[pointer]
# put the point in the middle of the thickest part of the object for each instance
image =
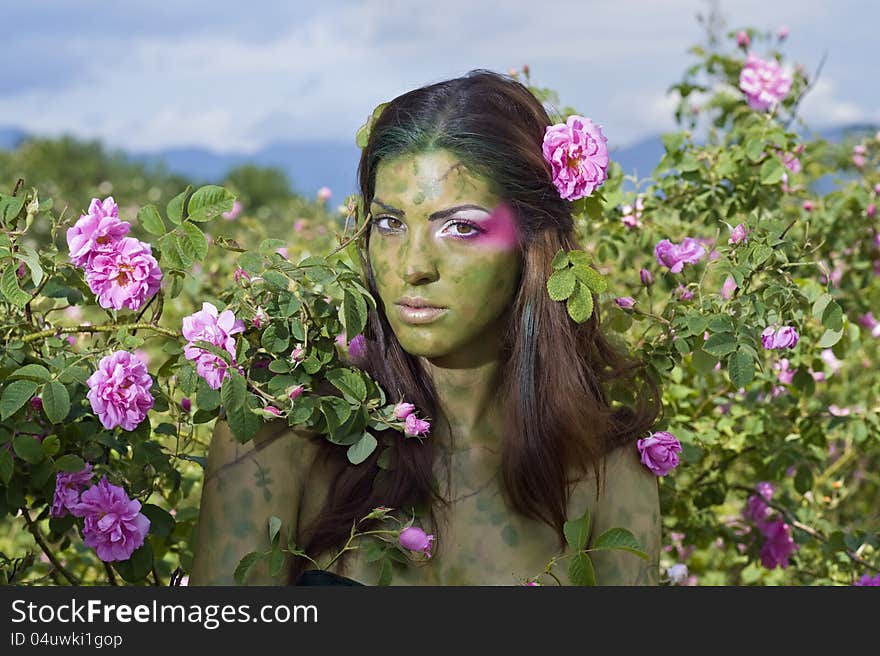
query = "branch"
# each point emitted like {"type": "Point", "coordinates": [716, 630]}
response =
{"type": "Point", "coordinates": [38, 536]}
{"type": "Point", "coordinates": [98, 329]}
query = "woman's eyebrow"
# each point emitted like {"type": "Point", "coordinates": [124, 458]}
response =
{"type": "Point", "coordinates": [442, 214]}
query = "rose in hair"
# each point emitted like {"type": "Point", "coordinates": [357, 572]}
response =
{"type": "Point", "coordinates": [578, 156]}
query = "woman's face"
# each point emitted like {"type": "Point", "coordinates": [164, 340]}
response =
{"type": "Point", "coordinates": [440, 237]}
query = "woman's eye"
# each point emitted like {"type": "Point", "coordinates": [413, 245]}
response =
{"type": "Point", "coordinates": [388, 223]}
{"type": "Point", "coordinates": [463, 229]}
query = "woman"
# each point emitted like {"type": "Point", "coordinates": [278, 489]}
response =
{"type": "Point", "coordinates": [464, 223]}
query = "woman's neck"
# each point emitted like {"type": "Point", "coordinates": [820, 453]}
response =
{"type": "Point", "coordinates": [467, 390]}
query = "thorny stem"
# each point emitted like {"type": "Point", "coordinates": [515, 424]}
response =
{"type": "Point", "coordinates": [97, 329]}
{"type": "Point", "coordinates": [38, 536]}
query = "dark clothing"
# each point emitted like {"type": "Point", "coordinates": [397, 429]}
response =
{"type": "Point", "coordinates": [322, 577]}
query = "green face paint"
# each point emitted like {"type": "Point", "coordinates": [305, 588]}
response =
{"type": "Point", "coordinates": [466, 262]}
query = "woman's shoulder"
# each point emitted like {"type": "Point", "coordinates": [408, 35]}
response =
{"type": "Point", "coordinates": [274, 442]}
{"type": "Point", "coordinates": [623, 479]}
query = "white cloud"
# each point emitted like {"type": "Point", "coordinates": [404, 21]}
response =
{"type": "Point", "coordinates": [318, 77]}
{"type": "Point", "coordinates": [823, 106]}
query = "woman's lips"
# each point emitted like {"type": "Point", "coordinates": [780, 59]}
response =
{"type": "Point", "coordinates": [419, 315]}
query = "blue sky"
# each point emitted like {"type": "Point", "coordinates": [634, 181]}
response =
{"type": "Point", "coordinates": [233, 76]}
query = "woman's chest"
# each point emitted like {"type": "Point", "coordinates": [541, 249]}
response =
{"type": "Point", "coordinates": [477, 538]}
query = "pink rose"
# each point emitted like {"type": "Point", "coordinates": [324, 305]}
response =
{"type": "Point", "coordinates": [114, 526]}
{"type": "Point", "coordinates": [124, 275]}
{"type": "Point", "coordinates": [578, 156]}
{"type": "Point", "coordinates": [659, 452]}
{"type": "Point", "coordinates": [415, 427]}
{"type": "Point", "coordinates": [764, 83]}
{"type": "Point", "coordinates": [675, 256]}
{"type": "Point", "coordinates": [415, 539]}
{"type": "Point", "coordinates": [119, 391]}
{"type": "Point", "coordinates": [728, 288]}
{"type": "Point", "coordinates": [96, 231]}
{"type": "Point", "coordinates": [738, 234]}
{"type": "Point", "coordinates": [403, 410]}
{"type": "Point", "coordinates": [625, 302]}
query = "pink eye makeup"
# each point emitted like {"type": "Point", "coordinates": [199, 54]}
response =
{"type": "Point", "coordinates": [496, 230]}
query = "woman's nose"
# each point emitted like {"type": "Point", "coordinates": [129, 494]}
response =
{"type": "Point", "coordinates": [419, 265]}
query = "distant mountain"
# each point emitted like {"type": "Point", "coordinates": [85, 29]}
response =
{"type": "Point", "coordinates": [312, 165]}
{"type": "Point", "coordinates": [10, 138]}
{"type": "Point", "coordinates": [308, 165]}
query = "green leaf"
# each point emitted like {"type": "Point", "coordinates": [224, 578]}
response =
{"type": "Point", "coordinates": [168, 246]}
{"type": "Point", "coordinates": [207, 398]}
{"type": "Point", "coordinates": [233, 394]}
{"type": "Point", "coordinates": [803, 479]}
{"type": "Point", "coordinates": [591, 278]}
{"type": "Point", "coordinates": [10, 207]}
{"type": "Point", "coordinates": [6, 466]}
{"type": "Point", "coordinates": [385, 573]}
{"type": "Point", "coordinates": [336, 411]}
{"type": "Point", "coordinates": [772, 171]}
{"type": "Point", "coordinates": [619, 538]}
{"type": "Point", "coordinates": [561, 284]}
{"type": "Point", "coordinates": [689, 163]}
{"type": "Point", "coordinates": [51, 445]}
{"type": "Point", "coordinates": [349, 383]}
{"type": "Point", "coordinates": [577, 532]}
{"type": "Point", "coordinates": [721, 323]}
{"type": "Point", "coordinates": [161, 521]}
{"type": "Point", "coordinates": [672, 141]}
{"type": "Point", "coordinates": [148, 217]}
{"type": "Point", "coordinates": [10, 288]}
{"type": "Point", "coordinates": [353, 313]}
{"type": "Point", "coordinates": [276, 280]}
{"type": "Point", "coordinates": [28, 448]}
{"type": "Point", "coordinates": [245, 565]}
{"type": "Point", "coordinates": [56, 401]}
{"type": "Point", "coordinates": [760, 254]}
{"type": "Point", "coordinates": [30, 257]}
{"type": "Point", "coordinates": [274, 528]}
{"type": "Point", "coordinates": [276, 562]}
{"type": "Point", "coordinates": [579, 258]}
{"type": "Point", "coordinates": [251, 262]}
{"type": "Point", "coordinates": [15, 395]}
{"type": "Point", "coordinates": [832, 316]}
{"type": "Point", "coordinates": [138, 566]}
{"type": "Point", "coordinates": [69, 462]}
{"type": "Point", "coordinates": [35, 372]}
{"type": "Point", "coordinates": [174, 209]}
{"type": "Point", "coordinates": [697, 324]}
{"type": "Point", "coordinates": [193, 242]}
{"type": "Point", "coordinates": [580, 304]}
{"type": "Point", "coordinates": [560, 260]}
{"type": "Point", "coordinates": [580, 570]}
{"type": "Point", "coordinates": [209, 202]}
{"type": "Point", "coordinates": [269, 246]}
{"type": "Point", "coordinates": [720, 344]}
{"type": "Point", "coordinates": [830, 338]}
{"type": "Point", "coordinates": [275, 338]}
{"type": "Point", "coordinates": [361, 450]}
{"type": "Point", "coordinates": [755, 149]}
{"type": "Point", "coordinates": [741, 367]}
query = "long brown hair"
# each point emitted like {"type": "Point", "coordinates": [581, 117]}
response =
{"type": "Point", "coordinates": [559, 379]}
